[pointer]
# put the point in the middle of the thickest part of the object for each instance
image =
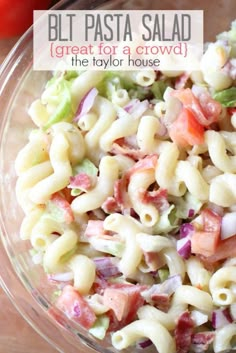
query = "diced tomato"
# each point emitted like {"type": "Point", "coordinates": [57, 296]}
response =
{"type": "Point", "coordinates": [186, 130]}
{"type": "Point", "coordinates": [124, 300]}
{"type": "Point", "coordinates": [64, 205]}
{"type": "Point", "coordinates": [205, 109]}
{"type": "Point", "coordinates": [211, 221]}
{"type": "Point", "coordinates": [116, 300]}
{"type": "Point", "coordinates": [231, 111]}
{"type": "Point", "coordinates": [75, 307]}
{"type": "Point", "coordinates": [182, 80]}
{"type": "Point", "coordinates": [205, 242]}
{"type": "Point", "coordinates": [226, 249]}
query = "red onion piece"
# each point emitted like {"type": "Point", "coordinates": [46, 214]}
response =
{"type": "Point", "coordinates": [144, 344]}
{"type": "Point", "coordinates": [202, 340]}
{"type": "Point", "coordinates": [168, 287]}
{"type": "Point", "coordinates": [86, 104]}
{"type": "Point", "coordinates": [228, 225]}
{"type": "Point", "coordinates": [186, 229]}
{"type": "Point", "coordinates": [61, 277]}
{"type": "Point", "coordinates": [106, 266]}
{"type": "Point", "coordinates": [191, 212]}
{"type": "Point", "coordinates": [184, 247]}
{"type": "Point", "coordinates": [128, 108]}
{"type": "Point", "coordinates": [221, 317]}
{"type": "Point", "coordinates": [136, 108]}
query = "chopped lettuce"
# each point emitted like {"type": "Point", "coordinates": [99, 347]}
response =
{"type": "Point", "coordinates": [67, 256]}
{"type": "Point", "coordinates": [113, 247]}
{"type": "Point", "coordinates": [54, 212]}
{"type": "Point", "coordinates": [230, 37]}
{"type": "Point", "coordinates": [86, 166]}
{"type": "Point", "coordinates": [114, 81]}
{"type": "Point", "coordinates": [76, 192]}
{"type": "Point", "coordinates": [167, 221]}
{"type": "Point", "coordinates": [140, 93]}
{"type": "Point", "coordinates": [158, 89]}
{"type": "Point", "coordinates": [68, 75]}
{"type": "Point", "coordinates": [100, 327]}
{"type": "Point", "coordinates": [63, 259]}
{"type": "Point", "coordinates": [163, 274]}
{"type": "Point", "coordinates": [58, 93]}
{"type": "Point", "coordinates": [186, 205]}
{"type": "Point", "coordinates": [227, 97]}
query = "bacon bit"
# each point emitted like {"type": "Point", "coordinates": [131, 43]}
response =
{"type": "Point", "coordinates": [80, 181]}
{"type": "Point", "coordinates": [117, 203]}
{"type": "Point", "coordinates": [94, 229]}
{"type": "Point", "coordinates": [148, 162]}
{"type": "Point", "coordinates": [154, 260]}
{"type": "Point", "coordinates": [161, 301]}
{"type": "Point", "coordinates": [124, 147]}
{"type": "Point", "coordinates": [64, 205]}
{"type": "Point", "coordinates": [120, 192]}
{"type": "Point", "coordinates": [110, 205]}
{"type": "Point", "coordinates": [132, 213]}
{"type": "Point", "coordinates": [182, 80]}
{"type": "Point", "coordinates": [202, 340]}
{"type": "Point", "coordinates": [99, 285]}
{"type": "Point", "coordinates": [67, 195]}
{"type": "Point", "coordinates": [156, 197]}
{"type": "Point", "coordinates": [127, 151]}
{"type": "Point", "coordinates": [97, 214]}
{"type": "Point", "coordinates": [184, 332]}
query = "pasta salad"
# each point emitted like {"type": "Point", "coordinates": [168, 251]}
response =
{"type": "Point", "coordinates": [128, 188]}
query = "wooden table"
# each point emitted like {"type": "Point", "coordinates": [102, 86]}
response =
{"type": "Point", "coordinates": [16, 336]}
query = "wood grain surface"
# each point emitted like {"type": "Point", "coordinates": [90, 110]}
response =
{"type": "Point", "coordinates": [16, 335]}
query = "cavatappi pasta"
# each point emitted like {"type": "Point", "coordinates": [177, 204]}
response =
{"type": "Point", "coordinates": [128, 185]}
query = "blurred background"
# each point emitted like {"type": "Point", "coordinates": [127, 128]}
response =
{"type": "Point", "coordinates": [17, 15]}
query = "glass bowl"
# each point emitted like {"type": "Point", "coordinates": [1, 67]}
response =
{"type": "Point", "coordinates": [24, 282]}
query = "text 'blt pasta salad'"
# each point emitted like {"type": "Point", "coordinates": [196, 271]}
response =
{"type": "Point", "coordinates": [129, 191]}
